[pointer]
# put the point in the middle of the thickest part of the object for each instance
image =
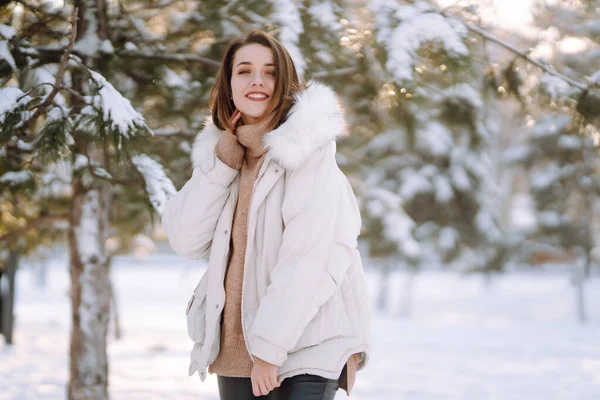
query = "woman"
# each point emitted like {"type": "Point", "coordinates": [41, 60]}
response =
{"type": "Point", "coordinates": [282, 310]}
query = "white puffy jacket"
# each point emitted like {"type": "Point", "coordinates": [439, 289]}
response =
{"type": "Point", "coordinates": [305, 305]}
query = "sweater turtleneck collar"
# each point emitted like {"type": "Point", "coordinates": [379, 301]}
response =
{"type": "Point", "coordinates": [252, 136]}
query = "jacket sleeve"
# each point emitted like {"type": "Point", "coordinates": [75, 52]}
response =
{"type": "Point", "coordinates": [322, 223]}
{"type": "Point", "coordinates": [190, 216]}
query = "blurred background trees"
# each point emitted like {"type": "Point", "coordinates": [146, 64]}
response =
{"type": "Point", "coordinates": [473, 142]}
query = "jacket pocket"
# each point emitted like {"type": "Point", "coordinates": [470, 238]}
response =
{"type": "Point", "coordinates": [196, 312]}
{"type": "Point", "coordinates": [331, 320]}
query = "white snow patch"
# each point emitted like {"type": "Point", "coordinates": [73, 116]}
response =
{"type": "Point", "coordinates": [6, 55]}
{"type": "Point", "coordinates": [11, 98]}
{"type": "Point", "coordinates": [413, 183]}
{"type": "Point", "coordinates": [465, 92]}
{"type": "Point", "coordinates": [7, 32]}
{"type": "Point", "coordinates": [158, 185]}
{"type": "Point", "coordinates": [569, 142]}
{"type": "Point", "coordinates": [460, 178]}
{"type": "Point", "coordinates": [443, 189]}
{"type": "Point", "coordinates": [546, 177]}
{"type": "Point", "coordinates": [116, 108]}
{"type": "Point", "coordinates": [556, 87]}
{"type": "Point", "coordinates": [402, 42]}
{"type": "Point", "coordinates": [435, 139]}
{"type": "Point", "coordinates": [324, 13]}
{"type": "Point", "coordinates": [14, 178]}
{"type": "Point", "coordinates": [287, 17]}
{"type": "Point", "coordinates": [90, 43]}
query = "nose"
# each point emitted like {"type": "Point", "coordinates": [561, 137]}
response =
{"type": "Point", "coordinates": [257, 80]}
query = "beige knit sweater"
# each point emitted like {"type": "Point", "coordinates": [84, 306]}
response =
{"type": "Point", "coordinates": [245, 151]}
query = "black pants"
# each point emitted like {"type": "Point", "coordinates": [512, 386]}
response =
{"type": "Point", "coordinates": [299, 387]}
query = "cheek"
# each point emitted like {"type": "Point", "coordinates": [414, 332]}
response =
{"type": "Point", "coordinates": [236, 86]}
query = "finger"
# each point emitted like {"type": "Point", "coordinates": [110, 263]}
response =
{"type": "Point", "coordinates": [269, 383]}
{"type": "Point", "coordinates": [273, 380]}
{"type": "Point", "coordinates": [255, 388]}
{"type": "Point", "coordinates": [262, 387]}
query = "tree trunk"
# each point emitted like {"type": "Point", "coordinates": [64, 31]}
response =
{"type": "Point", "coordinates": [88, 231]}
{"type": "Point", "coordinates": [90, 294]}
{"type": "Point", "coordinates": [406, 294]}
{"type": "Point", "coordinates": [579, 280]}
{"type": "Point", "coordinates": [8, 300]}
{"type": "Point", "coordinates": [382, 293]}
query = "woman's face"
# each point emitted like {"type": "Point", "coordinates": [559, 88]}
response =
{"type": "Point", "coordinates": [252, 80]}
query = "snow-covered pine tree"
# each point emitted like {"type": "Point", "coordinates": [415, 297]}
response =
{"type": "Point", "coordinates": [560, 155]}
{"type": "Point", "coordinates": [71, 130]}
{"type": "Point", "coordinates": [427, 170]}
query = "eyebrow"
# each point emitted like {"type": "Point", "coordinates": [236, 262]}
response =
{"type": "Point", "coordinates": [249, 63]}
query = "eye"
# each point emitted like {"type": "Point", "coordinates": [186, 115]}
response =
{"type": "Point", "coordinates": [243, 72]}
{"type": "Point", "coordinates": [272, 73]}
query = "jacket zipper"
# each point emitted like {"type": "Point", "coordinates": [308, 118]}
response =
{"type": "Point", "coordinates": [260, 174]}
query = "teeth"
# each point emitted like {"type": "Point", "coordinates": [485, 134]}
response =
{"type": "Point", "coordinates": [257, 96]}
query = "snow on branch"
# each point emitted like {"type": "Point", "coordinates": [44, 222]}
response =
{"type": "Point", "coordinates": [158, 186]}
{"type": "Point", "coordinates": [287, 17]}
{"type": "Point", "coordinates": [403, 30]}
{"type": "Point", "coordinates": [116, 110]}
{"type": "Point", "coordinates": [522, 54]}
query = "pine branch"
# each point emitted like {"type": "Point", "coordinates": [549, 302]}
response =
{"type": "Point", "coordinates": [170, 57]}
{"type": "Point", "coordinates": [335, 73]}
{"type": "Point", "coordinates": [522, 54]}
{"type": "Point", "coordinates": [52, 54]}
{"type": "Point", "coordinates": [50, 219]}
{"type": "Point", "coordinates": [59, 76]}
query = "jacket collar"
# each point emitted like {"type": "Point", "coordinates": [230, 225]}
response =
{"type": "Point", "coordinates": [315, 120]}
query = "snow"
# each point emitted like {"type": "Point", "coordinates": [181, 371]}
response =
{"type": "Point", "coordinates": [6, 55]}
{"type": "Point", "coordinates": [116, 108]}
{"type": "Point", "coordinates": [416, 29]}
{"type": "Point", "coordinates": [287, 17]}
{"type": "Point", "coordinates": [11, 98]}
{"type": "Point", "coordinates": [595, 79]}
{"type": "Point", "coordinates": [57, 180]}
{"type": "Point", "coordinates": [173, 80]}
{"type": "Point", "coordinates": [14, 178]}
{"type": "Point", "coordinates": [549, 219]}
{"type": "Point", "coordinates": [514, 339]}
{"type": "Point", "coordinates": [486, 224]}
{"type": "Point", "coordinates": [569, 142]}
{"type": "Point", "coordinates": [448, 238]}
{"type": "Point", "coordinates": [398, 228]}
{"type": "Point", "coordinates": [7, 32]}
{"type": "Point", "coordinates": [516, 154]}
{"type": "Point", "coordinates": [550, 126]}
{"type": "Point", "coordinates": [324, 13]}
{"type": "Point", "coordinates": [460, 178]}
{"type": "Point", "coordinates": [89, 43]}
{"type": "Point", "coordinates": [556, 87]}
{"type": "Point", "coordinates": [106, 47]}
{"type": "Point", "coordinates": [443, 189]}
{"type": "Point", "coordinates": [414, 183]}
{"type": "Point", "coordinates": [545, 178]}
{"type": "Point", "coordinates": [158, 185]}
{"type": "Point", "coordinates": [87, 232]}
{"type": "Point", "coordinates": [465, 92]}
{"type": "Point", "coordinates": [435, 139]}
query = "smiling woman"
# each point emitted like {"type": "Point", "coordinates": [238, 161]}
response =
{"type": "Point", "coordinates": [254, 67]}
{"type": "Point", "coordinates": [282, 310]}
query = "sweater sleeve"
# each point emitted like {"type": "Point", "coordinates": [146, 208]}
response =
{"type": "Point", "coordinates": [230, 151]}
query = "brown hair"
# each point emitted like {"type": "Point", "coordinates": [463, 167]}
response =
{"type": "Point", "coordinates": [286, 82]}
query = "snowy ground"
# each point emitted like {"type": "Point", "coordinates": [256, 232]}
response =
{"type": "Point", "coordinates": [515, 339]}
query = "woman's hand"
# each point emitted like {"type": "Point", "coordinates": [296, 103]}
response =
{"type": "Point", "coordinates": [235, 117]}
{"type": "Point", "coordinates": [264, 377]}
